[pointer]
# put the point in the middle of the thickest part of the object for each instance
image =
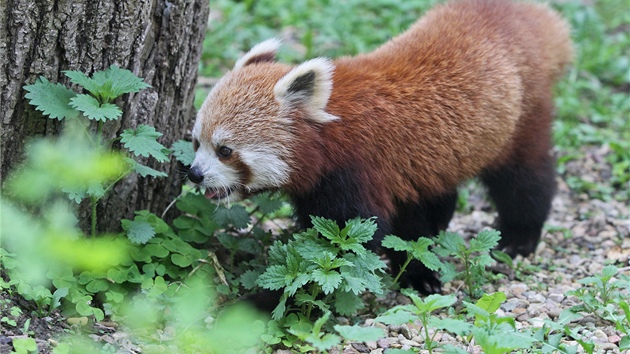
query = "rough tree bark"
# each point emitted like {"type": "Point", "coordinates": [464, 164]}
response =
{"type": "Point", "coordinates": [158, 40]}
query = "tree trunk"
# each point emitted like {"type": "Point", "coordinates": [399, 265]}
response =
{"type": "Point", "coordinates": [158, 40]}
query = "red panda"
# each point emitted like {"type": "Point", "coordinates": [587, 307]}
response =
{"type": "Point", "coordinates": [465, 92]}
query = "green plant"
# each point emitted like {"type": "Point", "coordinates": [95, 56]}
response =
{"type": "Point", "coordinates": [418, 249]}
{"type": "Point", "coordinates": [493, 333]}
{"type": "Point", "coordinates": [150, 266]}
{"type": "Point", "coordinates": [475, 258]}
{"type": "Point", "coordinates": [327, 274]}
{"type": "Point", "coordinates": [58, 102]}
{"type": "Point", "coordinates": [421, 310]}
{"type": "Point", "coordinates": [606, 297]}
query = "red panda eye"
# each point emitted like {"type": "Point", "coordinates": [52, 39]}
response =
{"type": "Point", "coordinates": [224, 151]}
{"type": "Point", "coordinates": [195, 143]}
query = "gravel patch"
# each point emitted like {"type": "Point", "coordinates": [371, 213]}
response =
{"type": "Point", "coordinates": [583, 235]}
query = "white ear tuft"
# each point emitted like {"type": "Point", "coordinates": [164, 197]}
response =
{"type": "Point", "coordinates": [308, 85]}
{"type": "Point", "coordinates": [261, 52]}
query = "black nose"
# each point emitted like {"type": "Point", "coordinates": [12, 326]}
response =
{"type": "Point", "coordinates": [195, 175]}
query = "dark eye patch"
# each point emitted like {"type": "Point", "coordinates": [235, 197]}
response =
{"type": "Point", "coordinates": [195, 143]}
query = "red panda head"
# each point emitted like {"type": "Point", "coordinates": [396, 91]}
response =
{"type": "Point", "coordinates": [248, 126]}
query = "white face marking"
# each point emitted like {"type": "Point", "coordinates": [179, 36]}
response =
{"type": "Point", "coordinates": [268, 170]}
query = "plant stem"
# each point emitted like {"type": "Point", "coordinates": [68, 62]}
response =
{"type": "Point", "coordinates": [314, 294]}
{"type": "Point", "coordinates": [468, 276]}
{"type": "Point", "coordinates": [402, 269]}
{"type": "Point", "coordinates": [427, 339]}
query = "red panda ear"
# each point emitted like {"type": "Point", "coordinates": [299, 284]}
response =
{"type": "Point", "coordinates": [261, 52]}
{"type": "Point", "coordinates": [309, 86]}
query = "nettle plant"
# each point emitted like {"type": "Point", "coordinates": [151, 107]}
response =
{"type": "Point", "coordinates": [59, 102]}
{"type": "Point", "coordinates": [321, 272]}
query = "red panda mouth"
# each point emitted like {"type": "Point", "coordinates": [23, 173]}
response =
{"type": "Point", "coordinates": [216, 194]}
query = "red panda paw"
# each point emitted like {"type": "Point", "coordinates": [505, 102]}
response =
{"type": "Point", "coordinates": [515, 243]}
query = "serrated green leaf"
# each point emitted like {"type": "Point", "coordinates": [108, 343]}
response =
{"type": "Point", "coordinates": [139, 232]}
{"type": "Point", "coordinates": [142, 141]}
{"type": "Point", "coordinates": [449, 243]}
{"type": "Point", "coordinates": [608, 272]}
{"type": "Point", "coordinates": [183, 152]}
{"type": "Point", "coordinates": [475, 310]}
{"type": "Point", "coordinates": [325, 343]}
{"type": "Point", "coordinates": [483, 260]}
{"type": "Point", "coordinates": [310, 247]}
{"type": "Point", "coordinates": [327, 228]}
{"type": "Point", "coordinates": [115, 82]}
{"type": "Point", "coordinates": [51, 99]}
{"type": "Point", "coordinates": [352, 283]}
{"type": "Point", "coordinates": [278, 312]}
{"type": "Point", "coordinates": [273, 278]}
{"type": "Point", "coordinates": [80, 78]}
{"type": "Point", "coordinates": [396, 243]}
{"type": "Point", "coordinates": [485, 241]}
{"type": "Point", "coordinates": [266, 204]}
{"type": "Point", "coordinates": [93, 109]}
{"type": "Point", "coordinates": [108, 84]}
{"type": "Point", "coordinates": [299, 281]}
{"type": "Point", "coordinates": [360, 334]}
{"type": "Point", "coordinates": [360, 231]}
{"type": "Point", "coordinates": [448, 272]}
{"type": "Point", "coordinates": [432, 302]}
{"type": "Point", "coordinates": [328, 280]}
{"type": "Point", "coordinates": [143, 170]}
{"type": "Point", "coordinates": [367, 268]}
{"type": "Point", "coordinates": [347, 303]}
{"type": "Point", "coordinates": [277, 253]}
{"type": "Point", "coordinates": [236, 216]}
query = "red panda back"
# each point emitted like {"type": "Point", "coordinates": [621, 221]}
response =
{"type": "Point", "coordinates": [442, 101]}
